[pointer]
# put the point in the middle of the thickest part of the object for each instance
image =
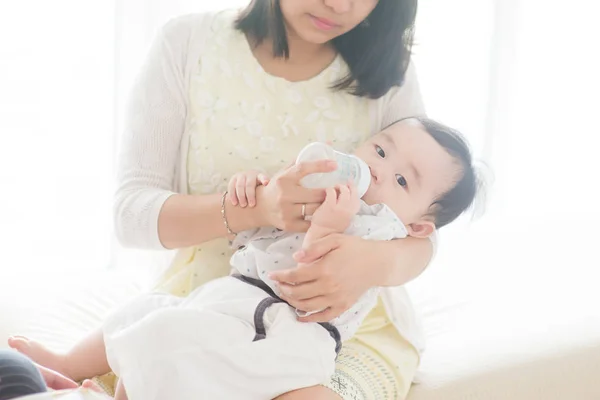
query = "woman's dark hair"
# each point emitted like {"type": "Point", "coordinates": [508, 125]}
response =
{"type": "Point", "coordinates": [377, 53]}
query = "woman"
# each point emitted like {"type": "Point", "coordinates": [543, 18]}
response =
{"type": "Point", "coordinates": [232, 91]}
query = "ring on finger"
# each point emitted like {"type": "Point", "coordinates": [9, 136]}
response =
{"type": "Point", "coordinates": [304, 216]}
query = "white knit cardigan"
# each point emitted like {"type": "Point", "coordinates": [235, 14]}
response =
{"type": "Point", "coordinates": [153, 150]}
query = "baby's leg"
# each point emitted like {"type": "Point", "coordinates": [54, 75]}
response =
{"type": "Point", "coordinates": [306, 349]}
{"type": "Point", "coordinates": [88, 357]}
{"type": "Point", "coordinates": [291, 355]}
{"type": "Point", "coordinates": [85, 360]}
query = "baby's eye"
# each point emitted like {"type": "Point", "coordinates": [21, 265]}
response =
{"type": "Point", "coordinates": [401, 180]}
{"type": "Point", "coordinates": [380, 151]}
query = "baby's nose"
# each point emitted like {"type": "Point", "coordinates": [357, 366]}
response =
{"type": "Point", "coordinates": [376, 175]}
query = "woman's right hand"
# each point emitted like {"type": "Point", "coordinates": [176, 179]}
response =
{"type": "Point", "coordinates": [279, 203]}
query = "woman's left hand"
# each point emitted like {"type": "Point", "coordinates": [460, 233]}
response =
{"type": "Point", "coordinates": [332, 274]}
{"type": "Point", "coordinates": [56, 381]}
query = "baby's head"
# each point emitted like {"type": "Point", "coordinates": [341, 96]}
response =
{"type": "Point", "coordinates": [423, 171]}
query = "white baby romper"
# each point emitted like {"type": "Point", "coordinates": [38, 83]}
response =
{"type": "Point", "coordinates": [204, 347]}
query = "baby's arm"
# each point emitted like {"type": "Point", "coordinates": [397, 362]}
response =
{"type": "Point", "coordinates": [241, 191]}
{"type": "Point", "coordinates": [242, 187]}
{"type": "Point", "coordinates": [335, 214]}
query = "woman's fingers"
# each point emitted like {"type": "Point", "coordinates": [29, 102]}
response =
{"type": "Point", "coordinates": [299, 171]}
{"type": "Point", "coordinates": [296, 276]}
{"type": "Point", "coordinates": [89, 384]}
{"type": "Point", "coordinates": [309, 209]}
{"type": "Point", "coordinates": [301, 292]}
{"type": "Point", "coordinates": [324, 316]}
{"type": "Point", "coordinates": [314, 305]}
{"type": "Point", "coordinates": [301, 195]}
{"type": "Point", "coordinates": [56, 381]}
{"type": "Point", "coordinates": [312, 167]}
{"type": "Point", "coordinates": [294, 221]}
{"type": "Point", "coordinates": [317, 249]}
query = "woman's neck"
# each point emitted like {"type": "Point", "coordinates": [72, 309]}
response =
{"type": "Point", "coordinates": [305, 60]}
{"type": "Point", "coordinates": [301, 51]}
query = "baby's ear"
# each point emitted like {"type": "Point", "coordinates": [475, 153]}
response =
{"type": "Point", "coordinates": [421, 229]}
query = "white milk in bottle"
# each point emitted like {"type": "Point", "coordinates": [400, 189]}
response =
{"type": "Point", "coordinates": [349, 168]}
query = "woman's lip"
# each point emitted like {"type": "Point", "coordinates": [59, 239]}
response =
{"type": "Point", "coordinates": [323, 23]}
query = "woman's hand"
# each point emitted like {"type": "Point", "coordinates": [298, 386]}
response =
{"type": "Point", "coordinates": [280, 202]}
{"type": "Point", "coordinates": [56, 381]}
{"type": "Point", "coordinates": [94, 387]}
{"type": "Point", "coordinates": [333, 273]}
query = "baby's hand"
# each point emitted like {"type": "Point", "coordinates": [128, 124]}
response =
{"type": "Point", "coordinates": [340, 206]}
{"type": "Point", "coordinates": [242, 187]}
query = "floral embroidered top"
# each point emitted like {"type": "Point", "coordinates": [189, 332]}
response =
{"type": "Point", "coordinates": [243, 118]}
{"type": "Point", "coordinates": [204, 109]}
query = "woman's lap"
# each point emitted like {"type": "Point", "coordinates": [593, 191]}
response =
{"type": "Point", "coordinates": [375, 365]}
{"type": "Point", "coordinates": [363, 372]}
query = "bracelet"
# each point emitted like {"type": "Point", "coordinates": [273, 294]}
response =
{"type": "Point", "coordinates": [229, 231]}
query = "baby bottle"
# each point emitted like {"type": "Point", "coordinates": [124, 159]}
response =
{"type": "Point", "coordinates": [349, 168]}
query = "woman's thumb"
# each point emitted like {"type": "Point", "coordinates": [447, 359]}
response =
{"type": "Point", "coordinates": [89, 384]}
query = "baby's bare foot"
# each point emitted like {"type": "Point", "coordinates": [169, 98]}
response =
{"type": "Point", "coordinates": [40, 354]}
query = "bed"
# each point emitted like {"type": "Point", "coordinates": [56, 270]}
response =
{"type": "Point", "coordinates": [517, 318]}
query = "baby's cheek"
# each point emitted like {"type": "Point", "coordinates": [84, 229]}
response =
{"type": "Point", "coordinates": [381, 194]}
{"type": "Point", "coordinates": [400, 203]}
{"type": "Point", "coordinates": [368, 196]}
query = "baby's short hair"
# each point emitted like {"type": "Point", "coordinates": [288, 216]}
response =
{"type": "Point", "coordinates": [450, 205]}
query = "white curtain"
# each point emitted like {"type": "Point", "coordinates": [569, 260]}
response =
{"type": "Point", "coordinates": [56, 127]}
{"type": "Point", "coordinates": [519, 77]}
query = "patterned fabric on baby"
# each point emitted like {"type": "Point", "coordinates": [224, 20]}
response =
{"type": "Point", "coordinates": [267, 249]}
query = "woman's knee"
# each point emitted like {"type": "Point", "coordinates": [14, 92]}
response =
{"type": "Point", "coordinates": [18, 376]}
{"type": "Point", "coordinates": [311, 393]}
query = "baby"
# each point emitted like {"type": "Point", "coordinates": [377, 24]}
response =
{"type": "Point", "coordinates": [234, 337]}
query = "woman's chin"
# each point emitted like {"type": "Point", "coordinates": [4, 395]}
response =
{"type": "Point", "coordinates": [311, 34]}
{"type": "Point", "coordinates": [315, 37]}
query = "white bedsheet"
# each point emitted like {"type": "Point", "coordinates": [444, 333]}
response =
{"type": "Point", "coordinates": [80, 394]}
{"type": "Point", "coordinates": [500, 325]}
{"type": "Point", "coordinates": [511, 315]}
